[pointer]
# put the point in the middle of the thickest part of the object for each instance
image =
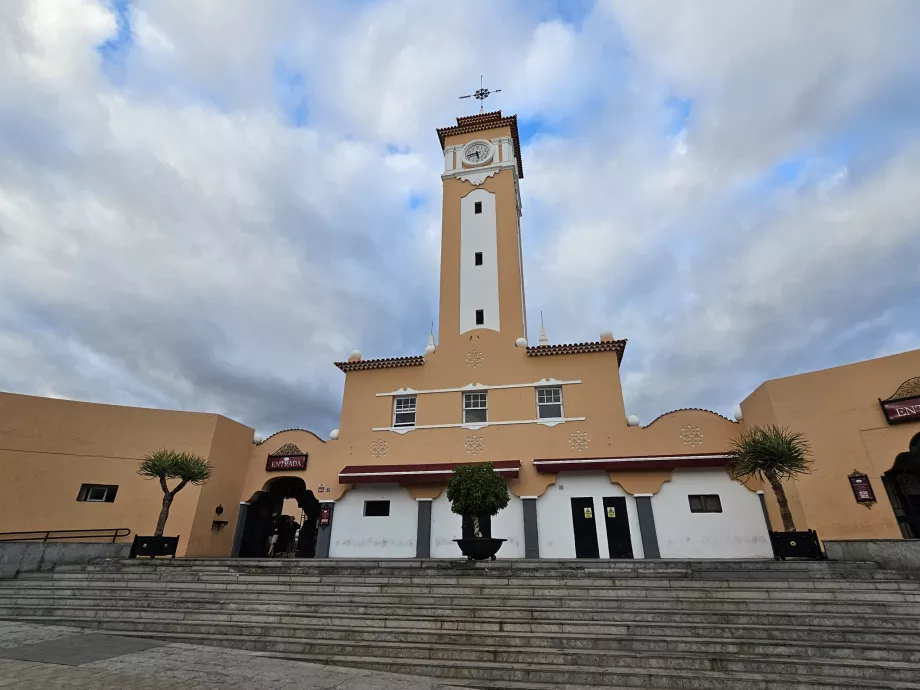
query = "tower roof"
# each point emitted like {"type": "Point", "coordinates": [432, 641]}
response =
{"type": "Point", "coordinates": [482, 122]}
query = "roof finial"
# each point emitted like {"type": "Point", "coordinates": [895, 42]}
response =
{"type": "Point", "coordinates": [543, 339]}
{"type": "Point", "coordinates": [430, 348]}
{"type": "Point", "coordinates": [481, 94]}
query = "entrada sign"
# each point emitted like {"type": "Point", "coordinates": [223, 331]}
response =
{"type": "Point", "coordinates": [289, 462]}
{"type": "Point", "coordinates": [903, 410]}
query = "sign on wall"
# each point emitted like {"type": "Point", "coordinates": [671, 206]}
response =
{"type": "Point", "coordinates": [862, 489]}
{"type": "Point", "coordinates": [903, 410]}
{"type": "Point", "coordinates": [278, 463]}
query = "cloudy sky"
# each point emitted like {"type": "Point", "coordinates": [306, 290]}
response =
{"type": "Point", "coordinates": [204, 203]}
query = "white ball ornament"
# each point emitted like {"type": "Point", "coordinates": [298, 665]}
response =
{"type": "Point", "coordinates": [429, 350]}
{"type": "Point", "coordinates": [632, 420]}
{"type": "Point", "coordinates": [521, 342]}
{"type": "Point", "coordinates": [739, 415]}
{"type": "Point", "coordinates": [334, 435]}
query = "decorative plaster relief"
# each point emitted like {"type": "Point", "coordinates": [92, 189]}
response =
{"type": "Point", "coordinates": [474, 445]}
{"type": "Point", "coordinates": [691, 435]}
{"type": "Point", "coordinates": [379, 448]}
{"type": "Point", "coordinates": [477, 178]}
{"type": "Point", "coordinates": [474, 358]}
{"type": "Point", "coordinates": [579, 440]}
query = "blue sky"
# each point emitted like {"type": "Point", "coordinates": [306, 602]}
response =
{"type": "Point", "coordinates": [203, 204]}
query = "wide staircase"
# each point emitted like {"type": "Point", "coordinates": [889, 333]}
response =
{"type": "Point", "coordinates": [515, 624]}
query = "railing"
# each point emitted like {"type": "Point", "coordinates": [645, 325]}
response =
{"type": "Point", "coordinates": [57, 534]}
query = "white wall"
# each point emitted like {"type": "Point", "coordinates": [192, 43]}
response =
{"type": "Point", "coordinates": [356, 536]}
{"type": "Point", "coordinates": [739, 531]}
{"type": "Point", "coordinates": [554, 514]}
{"type": "Point", "coordinates": [447, 526]}
{"type": "Point", "coordinates": [478, 284]}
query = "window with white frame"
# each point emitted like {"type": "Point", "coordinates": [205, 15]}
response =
{"type": "Point", "coordinates": [404, 411]}
{"type": "Point", "coordinates": [549, 403]}
{"type": "Point", "coordinates": [475, 408]}
{"type": "Point", "coordinates": [97, 493]}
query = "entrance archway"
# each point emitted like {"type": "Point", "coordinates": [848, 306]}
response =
{"type": "Point", "coordinates": [266, 508]}
{"type": "Point", "coordinates": [902, 482]}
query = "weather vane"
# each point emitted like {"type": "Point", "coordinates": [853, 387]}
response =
{"type": "Point", "coordinates": [481, 94]}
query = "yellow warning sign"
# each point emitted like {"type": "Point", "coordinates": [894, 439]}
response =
{"type": "Point", "coordinates": [589, 513]}
{"type": "Point", "coordinates": [611, 513]}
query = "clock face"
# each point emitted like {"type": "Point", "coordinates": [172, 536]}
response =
{"type": "Point", "coordinates": [479, 152]}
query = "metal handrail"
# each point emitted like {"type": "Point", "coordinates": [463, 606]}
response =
{"type": "Point", "coordinates": [45, 535]}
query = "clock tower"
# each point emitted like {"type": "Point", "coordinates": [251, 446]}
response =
{"type": "Point", "coordinates": [482, 278]}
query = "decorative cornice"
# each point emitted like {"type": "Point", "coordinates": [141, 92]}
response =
{"type": "Point", "coordinates": [908, 389]}
{"type": "Point", "coordinates": [550, 422]}
{"type": "Point", "coordinates": [286, 450]}
{"type": "Point", "coordinates": [542, 383]}
{"type": "Point", "coordinates": [387, 363]}
{"type": "Point", "coordinates": [482, 122]}
{"type": "Point", "coordinates": [689, 409]}
{"type": "Point", "coordinates": [284, 431]}
{"type": "Point", "coordinates": [618, 346]}
{"type": "Point", "coordinates": [476, 177]}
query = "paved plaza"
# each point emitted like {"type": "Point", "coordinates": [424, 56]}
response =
{"type": "Point", "coordinates": [34, 657]}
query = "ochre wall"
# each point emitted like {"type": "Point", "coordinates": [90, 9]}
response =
{"type": "Point", "coordinates": [49, 447]}
{"type": "Point", "coordinates": [838, 411]}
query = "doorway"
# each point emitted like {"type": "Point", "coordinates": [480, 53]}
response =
{"type": "Point", "coordinates": [585, 528]}
{"type": "Point", "coordinates": [265, 517]}
{"type": "Point", "coordinates": [902, 482]}
{"type": "Point", "coordinates": [619, 540]}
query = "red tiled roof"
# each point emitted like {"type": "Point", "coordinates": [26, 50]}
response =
{"type": "Point", "coordinates": [690, 409]}
{"type": "Point", "coordinates": [618, 346]}
{"type": "Point", "coordinates": [482, 122]}
{"type": "Point", "coordinates": [386, 363]}
{"type": "Point", "coordinates": [285, 450]}
{"type": "Point", "coordinates": [633, 464]}
{"type": "Point", "coordinates": [417, 474]}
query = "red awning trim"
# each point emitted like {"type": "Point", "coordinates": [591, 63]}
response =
{"type": "Point", "coordinates": [416, 474]}
{"type": "Point", "coordinates": [631, 464]}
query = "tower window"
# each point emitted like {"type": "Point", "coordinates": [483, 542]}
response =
{"type": "Point", "coordinates": [480, 317]}
{"type": "Point", "coordinates": [549, 403]}
{"type": "Point", "coordinates": [404, 411]}
{"type": "Point", "coordinates": [475, 408]}
{"type": "Point", "coordinates": [477, 207]}
{"type": "Point", "coordinates": [478, 258]}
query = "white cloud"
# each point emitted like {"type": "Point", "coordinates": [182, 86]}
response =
{"type": "Point", "coordinates": [168, 238]}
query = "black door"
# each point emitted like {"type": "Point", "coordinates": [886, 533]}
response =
{"type": "Point", "coordinates": [585, 528]}
{"type": "Point", "coordinates": [617, 522]}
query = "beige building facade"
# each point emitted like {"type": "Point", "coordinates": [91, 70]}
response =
{"type": "Point", "coordinates": [586, 480]}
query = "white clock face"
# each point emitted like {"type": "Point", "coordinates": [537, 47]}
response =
{"type": "Point", "coordinates": [479, 152]}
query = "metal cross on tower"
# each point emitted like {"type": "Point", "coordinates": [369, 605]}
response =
{"type": "Point", "coordinates": [481, 94]}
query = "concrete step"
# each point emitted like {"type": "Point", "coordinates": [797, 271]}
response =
{"type": "Point", "coordinates": [635, 671]}
{"type": "Point", "coordinates": [177, 575]}
{"type": "Point", "coordinates": [649, 610]}
{"type": "Point", "coordinates": [268, 624]}
{"type": "Point", "coordinates": [564, 636]}
{"type": "Point", "coordinates": [432, 605]}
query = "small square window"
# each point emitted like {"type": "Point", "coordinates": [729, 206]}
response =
{"type": "Point", "coordinates": [97, 493]}
{"type": "Point", "coordinates": [705, 503]}
{"type": "Point", "coordinates": [376, 509]}
{"type": "Point", "coordinates": [475, 408]}
{"type": "Point", "coordinates": [480, 317]}
{"type": "Point", "coordinates": [549, 403]}
{"type": "Point", "coordinates": [477, 207]}
{"type": "Point", "coordinates": [404, 411]}
{"type": "Point", "coordinates": [478, 258]}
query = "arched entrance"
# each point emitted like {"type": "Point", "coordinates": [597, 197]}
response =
{"type": "Point", "coordinates": [266, 509]}
{"type": "Point", "coordinates": [902, 482]}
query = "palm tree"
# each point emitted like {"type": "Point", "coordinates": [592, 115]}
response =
{"type": "Point", "coordinates": [772, 453]}
{"type": "Point", "coordinates": [169, 464]}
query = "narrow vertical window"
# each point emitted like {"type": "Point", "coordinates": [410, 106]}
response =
{"type": "Point", "coordinates": [480, 317]}
{"type": "Point", "coordinates": [404, 411]}
{"type": "Point", "coordinates": [478, 258]}
{"type": "Point", "coordinates": [475, 408]}
{"type": "Point", "coordinates": [477, 207]}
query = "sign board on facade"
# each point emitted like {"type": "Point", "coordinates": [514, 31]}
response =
{"type": "Point", "coordinates": [589, 513]}
{"type": "Point", "coordinates": [903, 410]}
{"type": "Point", "coordinates": [325, 515]}
{"type": "Point", "coordinates": [862, 489]}
{"type": "Point", "coordinates": [277, 463]}
{"type": "Point", "coordinates": [611, 512]}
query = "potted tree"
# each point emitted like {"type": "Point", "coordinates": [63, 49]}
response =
{"type": "Point", "coordinates": [476, 490]}
{"type": "Point", "coordinates": [188, 468]}
{"type": "Point", "coordinates": [775, 454]}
